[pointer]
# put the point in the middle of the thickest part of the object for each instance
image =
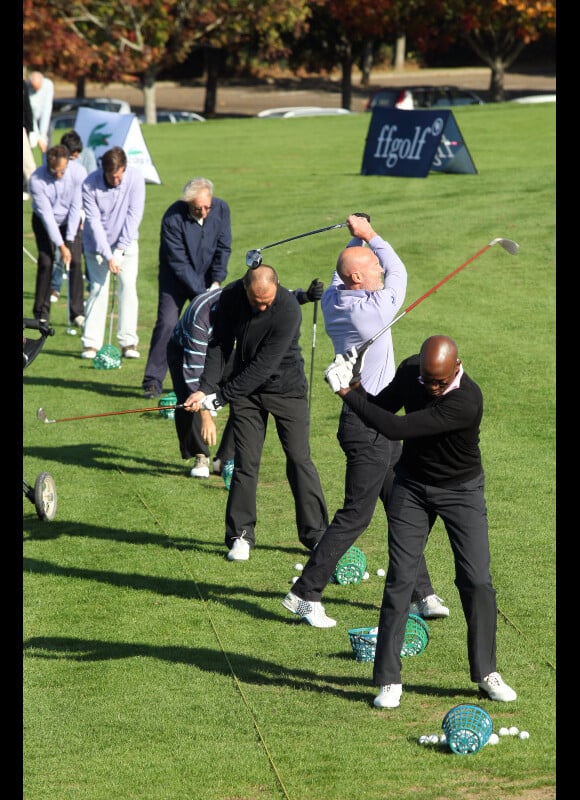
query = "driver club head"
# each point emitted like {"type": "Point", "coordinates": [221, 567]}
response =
{"type": "Point", "coordinates": [253, 259]}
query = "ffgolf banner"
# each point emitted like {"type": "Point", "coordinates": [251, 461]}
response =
{"type": "Point", "coordinates": [101, 130]}
{"type": "Point", "coordinates": [411, 143]}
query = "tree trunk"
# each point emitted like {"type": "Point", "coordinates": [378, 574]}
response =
{"type": "Point", "coordinates": [212, 63]}
{"type": "Point", "coordinates": [496, 83]}
{"type": "Point", "coordinates": [400, 48]}
{"type": "Point", "coordinates": [366, 63]}
{"type": "Point", "coordinates": [346, 81]}
{"type": "Point", "coordinates": [149, 102]}
{"type": "Point", "coordinates": [81, 83]}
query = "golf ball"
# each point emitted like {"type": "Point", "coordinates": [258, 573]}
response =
{"type": "Point", "coordinates": [524, 735]}
{"type": "Point", "coordinates": [503, 732]}
{"type": "Point", "coordinates": [72, 332]}
{"type": "Point", "coordinates": [434, 739]}
{"type": "Point", "coordinates": [366, 576]}
{"type": "Point", "coordinates": [493, 738]}
{"type": "Point", "coordinates": [514, 731]}
{"type": "Point", "coordinates": [298, 567]}
{"type": "Point", "coordinates": [423, 739]}
{"type": "Point", "coordinates": [381, 572]}
{"type": "Point", "coordinates": [442, 738]}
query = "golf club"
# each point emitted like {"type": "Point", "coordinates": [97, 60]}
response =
{"type": "Point", "coordinates": [29, 254]}
{"type": "Point", "coordinates": [508, 245]}
{"type": "Point", "coordinates": [69, 328]}
{"type": "Point", "coordinates": [254, 257]}
{"type": "Point", "coordinates": [41, 413]}
{"type": "Point", "coordinates": [314, 316]}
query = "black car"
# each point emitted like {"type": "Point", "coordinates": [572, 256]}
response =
{"type": "Point", "coordinates": [414, 97]}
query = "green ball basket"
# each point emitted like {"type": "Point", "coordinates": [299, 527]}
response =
{"type": "Point", "coordinates": [168, 400]}
{"type": "Point", "coordinates": [467, 729]}
{"type": "Point", "coordinates": [350, 568]}
{"type": "Point", "coordinates": [108, 357]}
{"type": "Point", "coordinates": [364, 643]}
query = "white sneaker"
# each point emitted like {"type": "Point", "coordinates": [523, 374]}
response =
{"type": "Point", "coordinates": [496, 689]}
{"type": "Point", "coordinates": [389, 696]}
{"type": "Point", "coordinates": [216, 466]}
{"type": "Point", "coordinates": [79, 321]}
{"type": "Point", "coordinates": [130, 352]}
{"type": "Point", "coordinates": [311, 612]}
{"type": "Point", "coordinates": [54, 296]}
{"type": "Point", "coordinates": [88, 352]}
{"type": "Point", "coordinates": [240, 551]}
{"type": "Point", "coordinates": [201, 467]}
{"type": "Point", "coordinates": [430, 607]}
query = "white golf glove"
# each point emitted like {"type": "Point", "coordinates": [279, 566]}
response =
{"type": "Point", "coordinates": [338, 375]}
{"type": "Point", "coordinates": [211, 404]}
{"type": "Point", "coordinates": [357, 360]}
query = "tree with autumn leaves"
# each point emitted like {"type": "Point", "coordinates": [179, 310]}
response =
{"type": "Point", "coordinates": [132, 41]}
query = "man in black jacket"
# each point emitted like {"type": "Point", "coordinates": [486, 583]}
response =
{"type": "Point", "coordinates": [262, 320]}
{"type": "Point", "coordinates": [439, 473]}
{"type": "Point", "coordinates": [194, 250]}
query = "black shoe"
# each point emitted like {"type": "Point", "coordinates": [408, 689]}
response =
{"type": "Point", "coordinates": [151, 392]}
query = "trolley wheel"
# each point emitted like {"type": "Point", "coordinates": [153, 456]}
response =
{"type": "Point", "coordinates": [45, 496]}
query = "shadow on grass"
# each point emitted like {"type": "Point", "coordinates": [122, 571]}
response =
{"type": "Point", "coordinates": [240, 597]}
{"type": "Point", "coordinates": [248, 669]}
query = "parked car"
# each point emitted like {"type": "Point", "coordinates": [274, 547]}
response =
{"type": "Point", "coordinates": [101, 103]}
{"type": "Point", "coordinates": [288, 112]}
{"type": "Point", "coordinates": [174, 116]}
{"type": "Point", "coordinates": [413, 97]}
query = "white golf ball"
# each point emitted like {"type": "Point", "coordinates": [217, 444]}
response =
{"type": "Point", "coordinates": [493, 738]}
{"type": "Point", "coordinates": [442, 738]}
{"type": "Point", "coordinates": [298, 567]}
{"type": "Point", "coordinates": [294, 579]}
{"type": "Point", "coordinates": [72, 332]}
{"type": "Point", "coordinates": [366, 576]}
{"type": "Point", "coordinates": [524, 735]}
{"type": "Point", "coordinates": [423, 739]}
{"type": "Point", "coordinates": [434, 739]}
{"type": "Point", "coordinates": [514, 731]}
{"type": "Point", "coordinates": [503, 732]}
{"type": "Point", "coordinates": [381, 572]}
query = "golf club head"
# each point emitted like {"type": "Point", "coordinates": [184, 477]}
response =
{"type": "Point", "coordinates": [253, 259]}
{"type": "Point", "coordinates": [508, 245]}
{"type": "Point", "coordinates": [41, 415]}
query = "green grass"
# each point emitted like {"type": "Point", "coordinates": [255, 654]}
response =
{"type": "Point", "coordinates": [154, 668]}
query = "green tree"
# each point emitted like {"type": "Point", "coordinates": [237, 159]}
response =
{"type": "Point", "coordinates": [496, 30]}
{"type": "Point", "coordinates": [133, 40]}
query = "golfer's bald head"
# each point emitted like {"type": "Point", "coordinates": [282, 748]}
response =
{"type": "Point", "coordinates": [261, 285]}
{"type": "Point", "coordinates": [438, 360]}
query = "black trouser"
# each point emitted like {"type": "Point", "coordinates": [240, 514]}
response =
{"type": "Point", "coordinates": [413, 509]}
{"type": "Point", "coordinates": [370, 459]}
{"type": "Point", "coordinates": [46, 251]}
{"type": "Point", "coordinates": [250, 419]}
{"type": "Point", "coordinates": [169, 307]}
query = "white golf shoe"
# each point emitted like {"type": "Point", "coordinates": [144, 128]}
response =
{"type": "Point", "coordinates": [311, 612]}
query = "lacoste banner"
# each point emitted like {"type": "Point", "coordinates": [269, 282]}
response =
{"type": "Point", "coordinates": [411, 143]}
{"type": "Point", "coordinates": [101, 130]}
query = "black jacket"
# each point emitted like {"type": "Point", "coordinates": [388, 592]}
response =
{"type": "Point", "coordinates": [267, 356]}
{"type": "Point", "coordinates": [440, 434]}
{"type": "Point", "coordinates": [193, 256]}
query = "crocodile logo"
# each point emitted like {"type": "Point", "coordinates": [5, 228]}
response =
{"type": "Point", "coordinates": [98, 138]}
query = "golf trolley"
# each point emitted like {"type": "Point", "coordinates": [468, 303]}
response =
{"type": "Point", "coordinates": [43, 493]}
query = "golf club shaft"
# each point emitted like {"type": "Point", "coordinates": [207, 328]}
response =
{"type": "Point", "coordinates": [41, 414]}
{"type": "Point", "coordinates": [314, 316]}
{"type": "Point", "coordinates": [302, 235]}
{"type": "Point", "coordinates": [507, 244]}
